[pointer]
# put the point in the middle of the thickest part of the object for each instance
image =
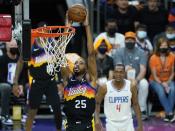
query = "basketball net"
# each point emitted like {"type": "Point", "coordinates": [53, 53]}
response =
{"type": "Point", "coordinates": [54, 40]}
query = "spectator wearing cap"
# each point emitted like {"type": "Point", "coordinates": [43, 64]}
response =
{"type": "Point", "coordinates": [104, 62]}
{"type": "Point", "coordinates": [111, 36]}
{"type": "Point", "coordinates": [169, 34]}
{"type": "Point", "coordinates": [142, 40]}
{"type": "Point", "coordinates": [135, 61]}
{"type": "Point", "coordinates": [162, 77]}
{"type": "Point", "coordinates": [154, 17]}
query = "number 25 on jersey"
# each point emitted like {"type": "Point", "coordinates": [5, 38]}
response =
{"type": "Point", "coordinates": [80, 104]}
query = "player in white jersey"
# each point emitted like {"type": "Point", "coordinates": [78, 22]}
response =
{"type": "Point", "coordinates": [119, 95]}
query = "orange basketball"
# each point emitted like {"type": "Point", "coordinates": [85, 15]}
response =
{"type": "Point", "coordinates": [77, 13]}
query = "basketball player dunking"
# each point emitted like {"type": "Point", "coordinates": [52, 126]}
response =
{"type": "Point", "coordinates": [79, 92]}
{"type": "Point", "coordinates": [118, 94]}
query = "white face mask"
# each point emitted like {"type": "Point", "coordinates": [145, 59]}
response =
{"type": "Point", "coordinates": [170, 36]}
{"type": "Point", "coordinates": [141, 34]}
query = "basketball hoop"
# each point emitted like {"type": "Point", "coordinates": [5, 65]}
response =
{"type": "Point", "coordinates": [54, 40]}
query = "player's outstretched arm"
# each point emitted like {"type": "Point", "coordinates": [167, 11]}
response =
{"type": "Point", "coordinates": [92, 67]}
{"type": "Point", "coordinates": [17, 91]}
{"type": "Point", "coordinates": [135, 105]}
{"type": "Point", "coordinates": [99, 97]}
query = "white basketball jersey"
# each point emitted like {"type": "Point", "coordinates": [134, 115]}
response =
{"type": "Point", "coordinates": [117, 104]}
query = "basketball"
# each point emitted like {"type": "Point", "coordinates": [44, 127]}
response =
{"type": "Point", "coordinates": [77, 13]}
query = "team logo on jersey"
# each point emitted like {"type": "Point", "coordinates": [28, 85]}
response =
{"type": "Point", "coordinates": [79, 90]}
{"type": "Point", "coordinates": [120, 99]}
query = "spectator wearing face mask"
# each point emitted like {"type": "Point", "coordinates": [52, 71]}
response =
{"type": "Point", "coordinates": [104, 62]}
{"type": "Point", "coordinates": [112, 36]}
{"type": "Point", "coordinates": [162, 77]}
{"type": "Point", "coordinates": [172, 45]}
{"type": "Point", "coordinates": [7, 71]}
{"type": "Point", "coordinates": [169, 34]}
{"type": "Point", "coordinates": [142, 40]}
{"type": "Point", "coordinates": [135, 61]}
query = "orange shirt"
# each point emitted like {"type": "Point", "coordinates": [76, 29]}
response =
{"type": "Point", "coordinates": [163, 70]}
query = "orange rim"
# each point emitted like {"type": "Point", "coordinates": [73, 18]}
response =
{"type": "Point", "coordinates": [39, 31]}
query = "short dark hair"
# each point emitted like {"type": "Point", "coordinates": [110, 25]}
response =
{"type": "Point", "coordinates": [120, 64]}
{"type": "Point", "coordinates": [110, 21]}
{"type": "Point", "coordinates": [42, 23]}
{"type": "Point", "coordinates": [141, 26]}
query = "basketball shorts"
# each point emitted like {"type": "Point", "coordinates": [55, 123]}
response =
{"type": "Point", "coordinates": [40, 88]}
{"type": "Point", "coordinates": [79, 126]}
{"type": "Point", "coordinates": [116, 127]}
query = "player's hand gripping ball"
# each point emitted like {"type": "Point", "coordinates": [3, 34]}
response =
{"type": "Point", "coordinates": [77, 13]}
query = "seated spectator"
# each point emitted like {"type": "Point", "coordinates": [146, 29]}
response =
{"type": "Point", "coordinates": [154, 17]}
{"type": "Point", "coordinates": [7, 71]}
{"type": "Point", "coordinates": [125, 14]}
{"type": "Point", "coordinates": [111, 35]}
{"type": "Point", "coordinates": [135, 62]}
{"type": "Point", "coordinates": [169, 33]}
{"type": "Point", "coordinates": [104, 63]}
{"type": "Point", "coordinates": [142, 40]}
{"type": "Point", "coordinates": [162, 75]}
{"type": "Point", "coordinates": [172, 45]}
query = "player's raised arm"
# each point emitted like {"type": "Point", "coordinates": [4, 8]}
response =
{"type": "Point", "coordinates": [92, 67]}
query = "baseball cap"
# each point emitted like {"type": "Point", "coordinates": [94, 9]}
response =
{"type": "Point", "coordinates": [130, 34]}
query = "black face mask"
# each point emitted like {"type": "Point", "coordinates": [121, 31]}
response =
{"type": "Point", "coordinates": [163, 50]}
{"type": "Point", "coordinates": [130, 45]}
{"type": "Point", "coordinates": [14, 51]}
{"type": "Point", "coordinates": [112, 31]}
{"type": "Point", "coordinates": [102, 50]}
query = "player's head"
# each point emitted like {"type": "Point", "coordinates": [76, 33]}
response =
{"type": "Point", "coordinates": [80, 66]}
{"type": "Point", "coordinates": [119, 72]}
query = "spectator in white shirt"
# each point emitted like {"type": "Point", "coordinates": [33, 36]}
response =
{"type": "Point", "coordinates": [142, 41]}
{"type": "Point", "coordinates": [111, 35]}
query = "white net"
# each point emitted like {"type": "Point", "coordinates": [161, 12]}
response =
{"type": "Point", "coordinates": [54, 41]}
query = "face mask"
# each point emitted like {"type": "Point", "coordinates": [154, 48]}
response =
{"type": "Point", "coordinates": [172, 48]}
{"type": "Point", "coordinates": [142, 34]}
{"type": "Point", "coordinates": [130, 45]}
{"type": "Point", "coordinates": [111, 31]}
{"type": "Point", "coordinates": [102, 50]}
{"type": "Point", "coordinates": [170, 36]}
{"type": "Point", "coordinates": [163, 50]}
{"type": "Point", "coordinates": [14, 51]}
